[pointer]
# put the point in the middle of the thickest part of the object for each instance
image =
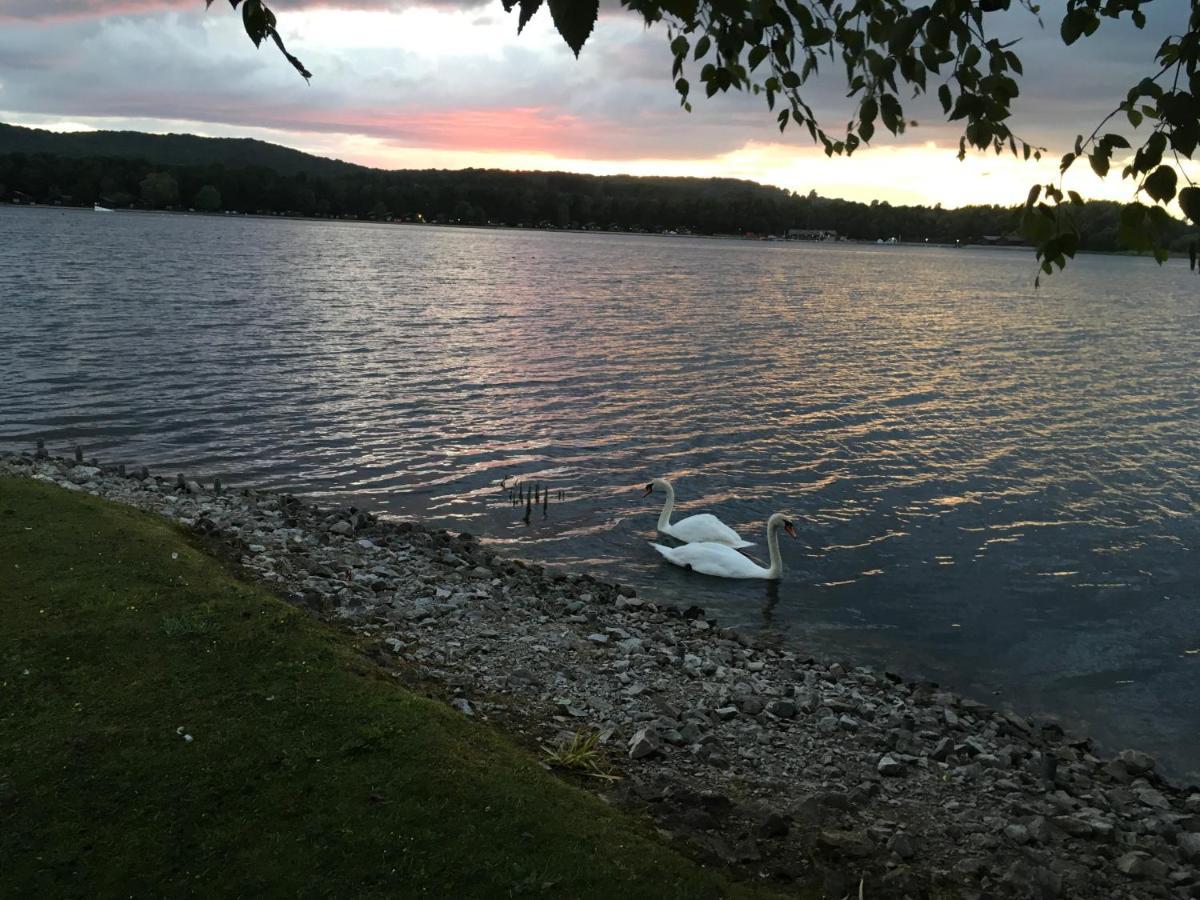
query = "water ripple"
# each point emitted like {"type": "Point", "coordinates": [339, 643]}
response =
{"type": "Point", "coordinates": [996, 487]}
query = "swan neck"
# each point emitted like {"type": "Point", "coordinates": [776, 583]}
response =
{"type": "Point", "coordinates": [664, 518]}
{"type": "Point", "coordinates": [773, 546]}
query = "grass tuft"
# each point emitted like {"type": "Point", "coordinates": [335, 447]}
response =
{"type": "Point", "coordinates": [186, 624]}
{"type": "Point", "coordinates": [583, 754]}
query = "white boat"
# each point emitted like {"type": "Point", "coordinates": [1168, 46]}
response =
{"type": "Point", "coordinates": [98, 208]}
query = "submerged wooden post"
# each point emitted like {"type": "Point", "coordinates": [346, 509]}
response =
{"type": "Point", "coordinates": [545, 501]}
{"type": "Point", "coordinates": [181, 482]}
{"type": "Point", "coordinates": [78, 454]}
{"type": "Point", "coordinates": [41, 450]}
{"type": "Point", "coordinates": [144, 474]}
{"type": "Point", "coordinates": [528, 508]}
{"type": "Point", "coordinates": [217, 486]}
{"type": "Point", "coordinates": [121, 469]}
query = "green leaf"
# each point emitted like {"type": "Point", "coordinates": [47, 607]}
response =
{"type": "Point", "coordinates": [757, 55]}
{"type": "Point", "coordinates": [702, 47]}
{"type": "Point", "coordinates": [1189, 202]}
{"type": "Point", "coordinates": [892, 114]}
{"type": "Point", "coordinates": [254, 20]}
{"type": "Point", "coordinates": [528, 8]}
{"type": "Point", "coordinates": [1150, 154]}
{"type": "Point", "coordinates": [574, 20]}
{"type": "Point", "coordinates": [944, 97]}
{"type": "Point", "coordinates": [681, 9]}
{"type": "Point", "coordinates": [1160, 184]}
{"type": "Point", "coordinates": [868, 110]}
{"type": "Point", "coordinates": [937, 32]}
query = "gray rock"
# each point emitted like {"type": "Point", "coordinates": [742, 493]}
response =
{"type": "Point", "coordinates": [971, 867]}
{"type": "Point", "coordinates": [1189, 846]}
{"type": "Point", "coordinates": [850, 844]}
{"type": "Point", "coordinates": [1017, 833]}
{"type": "Point", "coordinates": [848, 723]}
{"type": "Point", "coordinates": [1140, 865]}
{"type": "Point", "coordinates": [463, 705]}
{"type": "Point", "coordinates": [1151, 797]}
{"type": "Point", "coordinates": [1073, 826]}
{"type": "Point", "coordinates": [1137, 762]}
{"type": "Point", "coordinates": [598, 638]}
{"type": "Point", "coordinates": [784, 709]}
{"type": "Point", "coordinates": [1040, 830]}
{"type": "Point", "coordinates": [889, 765]}
{"type": "Point", "coordinates": [902, 846]}
{"type": "Point", "coordinates": [751, 705]}
{"type": "Point", "coordinates": [943, 749]}
{"type": "Point", "coordinates": [773, 825]}
{"type": "Point", "coordinates": [725, 713]}
{"type": "Point", "coordinates": [341, 527]}
{"type": "Point", "coordinates": [644, 743]}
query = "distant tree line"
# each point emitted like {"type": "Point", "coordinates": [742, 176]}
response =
{"type": "Point", "coordinates": [530, 199]}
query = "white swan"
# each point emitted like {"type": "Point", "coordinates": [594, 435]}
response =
{"type": "Point", "coordinates": [701, 527]}
{"type": "Point", "coordinates": [725, 562]}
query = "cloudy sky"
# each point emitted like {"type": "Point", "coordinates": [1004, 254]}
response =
{"type": "Point", "coordinates": [445, 84]}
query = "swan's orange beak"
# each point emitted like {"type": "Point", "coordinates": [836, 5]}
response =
{"type": "Point", "coordinates": [790, 529]}
{"type": "Point", "coordinates": [649, 490]}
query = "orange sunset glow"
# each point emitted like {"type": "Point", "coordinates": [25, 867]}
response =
{"type": "Point", "coordinates": [452, 85]}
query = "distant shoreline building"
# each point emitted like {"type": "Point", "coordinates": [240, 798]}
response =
{"type": "Point", "coordinates": [811, 234]}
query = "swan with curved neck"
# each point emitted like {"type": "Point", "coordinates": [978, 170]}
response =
{"type": "Point", "coordinates": [724, 562]}
{"type": "Point", "coordinates": [700, 527]}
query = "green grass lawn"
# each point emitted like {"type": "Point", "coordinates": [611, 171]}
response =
{"type": "Point", "coordinates": [311, 773]}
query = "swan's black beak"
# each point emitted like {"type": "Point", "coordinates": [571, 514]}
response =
{"type": "Point", "coordinates": [649, 490]}
{"type": "Point", "coordinates": [790, 529]}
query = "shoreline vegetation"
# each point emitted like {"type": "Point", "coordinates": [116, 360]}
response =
{"type": "Point", "coordinates": [169, 729]}
{"type": "Point", "coordinates": [807, 778]}
{"type": "Point", "coordinates": [125, 170]}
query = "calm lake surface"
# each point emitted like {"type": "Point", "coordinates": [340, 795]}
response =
{"type": "Point", "coordinates": [995, 488]}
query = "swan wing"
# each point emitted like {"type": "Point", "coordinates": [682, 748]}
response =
{"type": "Point", "coordinates": [712, 559]}
{"type": "Point", "coordinates": [705, 527]}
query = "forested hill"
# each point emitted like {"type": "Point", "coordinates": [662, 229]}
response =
{"type": "Point", "coordinates": [130, 169]}
{"type": "Point", "coordinates": [170, 150]}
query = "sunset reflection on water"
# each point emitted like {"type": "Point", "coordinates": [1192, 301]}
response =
{"type": "Point", "coordinates": [995, 487]}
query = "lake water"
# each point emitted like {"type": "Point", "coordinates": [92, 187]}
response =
{"type": "Point", "coordinates": [996, 488]}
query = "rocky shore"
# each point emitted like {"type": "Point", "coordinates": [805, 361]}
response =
{"type": "Point", "coordinates": [789, 769]}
